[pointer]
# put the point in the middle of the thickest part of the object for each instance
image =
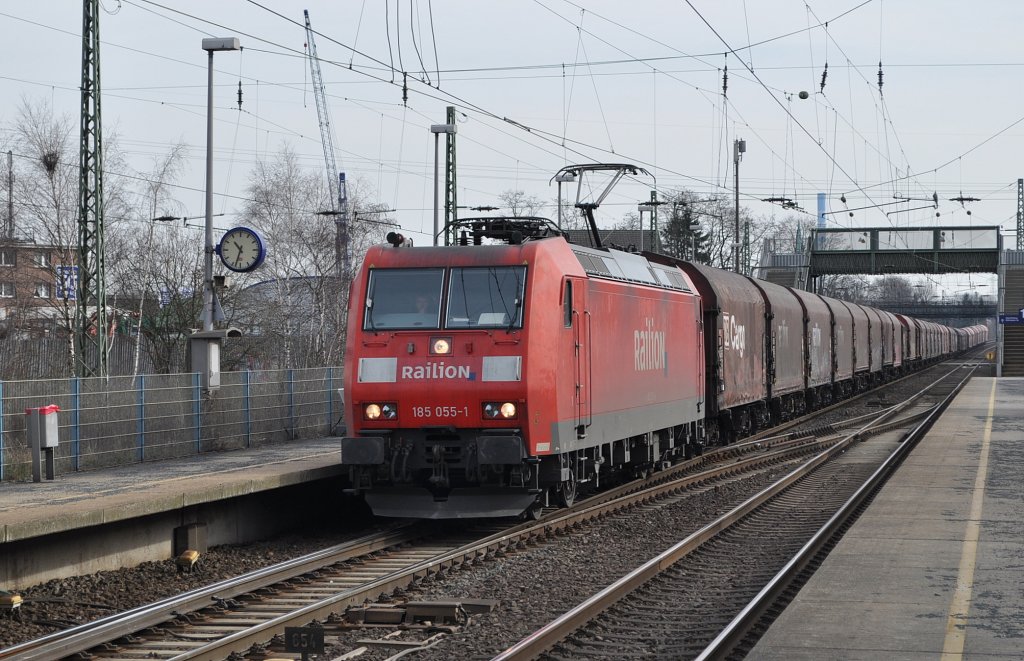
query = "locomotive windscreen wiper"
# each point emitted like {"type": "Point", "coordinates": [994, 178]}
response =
{"type": "Point", "coordinates": [514, 316]}
{"type": "Point", "coordinates": [369, 314]}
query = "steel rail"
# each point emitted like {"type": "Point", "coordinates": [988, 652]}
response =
{"type": "Point", "coordinates": [561, 627]}
{"type": "Point", "coordinates": [98, 632]}
{"type": "Point", "coordinates": [85, 636]}
{"type": "Point", "coordinates": [90, 635]}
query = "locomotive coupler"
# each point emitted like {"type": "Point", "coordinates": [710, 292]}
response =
{"type": "Point", "coordinates": [439, 469]}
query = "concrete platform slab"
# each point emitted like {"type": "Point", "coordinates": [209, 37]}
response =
{"type": "Point", "coordinates": [76, 500]}
{"type": "Point", "coordinates": [90, 521]}
{"type": "Point", "coordinates": [935, 566]}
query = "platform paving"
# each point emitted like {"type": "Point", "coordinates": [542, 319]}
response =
{"type": "Point", "coordinates": [88, 498]}
{"type": "Point", "coordinates": [934, 569]}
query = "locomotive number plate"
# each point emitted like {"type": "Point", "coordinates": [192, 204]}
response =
{"type": "Point", "coordinates": [439, 411]}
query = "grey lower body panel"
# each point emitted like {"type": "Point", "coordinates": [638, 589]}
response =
{"type": "Point", "coordinates": [461, 503]}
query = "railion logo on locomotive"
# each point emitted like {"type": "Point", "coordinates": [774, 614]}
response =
{"type": "Point", "coordinates": [649, 348]}
{"type": "Point", "coordinates": [438, 370]}
{"type": "Point", "coordinates": [734, 333]}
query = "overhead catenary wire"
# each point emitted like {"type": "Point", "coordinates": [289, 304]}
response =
{"type": "Point", "coordinates": [585, 145]}
{"type": "Point", "coordinates": [279, 14]}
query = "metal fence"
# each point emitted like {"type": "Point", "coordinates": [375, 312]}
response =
{"type": "Point", "coordinates": [115, 421]}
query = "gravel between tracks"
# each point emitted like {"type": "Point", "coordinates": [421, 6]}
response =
{"type": "Point", "coordinates": [66, 602]}
{"type": "Point", "coordinates": [540, 583]}
{"type": "Point", "coordinates": [532, 586]}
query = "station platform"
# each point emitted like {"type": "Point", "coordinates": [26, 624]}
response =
{"type": "Point", "coordinates": [74, 501]}
{"type": "Point", "coordinates": [935, 567]}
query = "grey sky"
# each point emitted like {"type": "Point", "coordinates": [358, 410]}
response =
{"type": "Point", "coordinates": [951, 90]}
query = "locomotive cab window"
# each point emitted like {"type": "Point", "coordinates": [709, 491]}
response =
{"type": "Point", "coordinates": [489, 297]}
{"type": "Point", "coordinates": [403, 298]}
{"type": "Point", "coordinates": [567, 304]}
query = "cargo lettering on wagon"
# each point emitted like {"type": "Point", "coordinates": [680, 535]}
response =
{"type": "Point", "coordinates": [735, 333]}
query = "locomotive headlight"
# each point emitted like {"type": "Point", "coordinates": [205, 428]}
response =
{"type": "Point", "coordinates": [499, 411]}
{"type": "Point", "coordinates": [385, 411]}
{"type": "Point", "coordinates": [440, 346]}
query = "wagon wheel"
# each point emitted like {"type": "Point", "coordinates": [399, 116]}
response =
{"type": "Point", "coordinates": [566, 490]}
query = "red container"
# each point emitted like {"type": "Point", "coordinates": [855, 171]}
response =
{"type": "Point", "coordinates": [842, 339]}
{"type": "Point", "coordinates": [734, 332]}
{"type": "Point", "coordinates": [817, 338]}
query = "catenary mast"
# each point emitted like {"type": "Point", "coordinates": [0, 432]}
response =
{"type": "Point", "coordinates": [91, 332]}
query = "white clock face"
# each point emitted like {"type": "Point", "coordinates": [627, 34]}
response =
{"type": "Point", "coordinates": [241, 250]}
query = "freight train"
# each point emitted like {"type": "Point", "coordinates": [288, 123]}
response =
{"type": "Point", "coordinates": [515, 369]}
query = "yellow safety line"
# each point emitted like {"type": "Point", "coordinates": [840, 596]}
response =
{"type": "Point", "coordinates": [956, 621]}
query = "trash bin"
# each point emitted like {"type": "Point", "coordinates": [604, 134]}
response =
{"type": "Point", "coordinates": [43, 429]}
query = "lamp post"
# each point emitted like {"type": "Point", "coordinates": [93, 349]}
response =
{"type": "Point", "coordinates": [211, 46]}
{"type": "Point", "coordinates": [437, 130]}
{"type": "Point", "coordinates": [642, 207]}
{"type": "Point", "coordinates": [563, 178]}
{"type": "Point", "coordinates": [739, 147]}
{"type": "Point", "coordinates": [206, 344]}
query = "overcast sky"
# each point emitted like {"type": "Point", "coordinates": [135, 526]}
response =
{"type": "Point", "coordinates": [638, 82]}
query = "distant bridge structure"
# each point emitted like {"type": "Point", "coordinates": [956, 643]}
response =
{"type": "Point", "coordinates": [885, 251]}
{"type": "Point", "coordinates": [930, 250]}
{"type": "Point", "coordinates": [949, 309]}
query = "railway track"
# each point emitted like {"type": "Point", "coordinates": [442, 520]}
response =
{"type": "Point", "coordinates": [234, 616]}
{"type": "Point", "coordinates": [710, 595]}
{"type": "Point", "coordinates": [245, 614]}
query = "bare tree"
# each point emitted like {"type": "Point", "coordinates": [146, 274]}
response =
{"type": "Point", "coordinates": [153, 275]}
{"type": "Point", "coordinates": [299, 307]}
{"type": "Point", "coordinates": [520, 204]}
{"type": "Point", "coordinates": [46, 195]}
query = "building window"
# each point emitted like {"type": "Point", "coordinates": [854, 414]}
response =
{"type": "Point", "coordinates": [6, 290]}
{"type": "Point", "coordinates": [6, 257]}
{"type": "Point", "coordinates": [42, 290]}
{"type": "Point", "coordinates": [42, 260]}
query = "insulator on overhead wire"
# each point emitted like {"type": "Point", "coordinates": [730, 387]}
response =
{"type": "Point", "coordinates": [239, 95]}
{"type": "Point", "coordinates": [824, 75]}
{"type": "Point", "coordinates": [725, 81]}
{"type": "Point", "coordinates": [879, 77]}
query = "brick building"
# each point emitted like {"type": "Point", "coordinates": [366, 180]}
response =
{"type": "Point", "coordinates": [31, 299]}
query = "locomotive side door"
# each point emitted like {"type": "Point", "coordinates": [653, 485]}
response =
{"type": "Point", "coordinates": [577, 316]}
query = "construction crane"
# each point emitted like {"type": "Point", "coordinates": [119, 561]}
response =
{"type": "Point", "coordinates": [339, 197]}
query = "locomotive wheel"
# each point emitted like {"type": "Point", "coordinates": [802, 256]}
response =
{"type": "Point", "coordinates": [566, 491]}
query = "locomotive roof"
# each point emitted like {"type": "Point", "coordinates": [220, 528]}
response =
{"type": "Point", "coordinates": [629, 267]}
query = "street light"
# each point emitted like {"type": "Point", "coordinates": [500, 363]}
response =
{"type": "Point", "coordinates": [642, 207]}
{"type": "Point", "coordinates": [206, 345]}
{"type": "Point", "coordinates": [437, 130]}
{"type": "Point", "coordinates": [739, 147]}
{"type": "Point", "coordinates": [211, 46]}
{"type": "Point", "coordinates": [564, 178]}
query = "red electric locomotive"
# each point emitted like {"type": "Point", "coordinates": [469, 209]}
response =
{"type": "Point", "coordinates": [488, 380]}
